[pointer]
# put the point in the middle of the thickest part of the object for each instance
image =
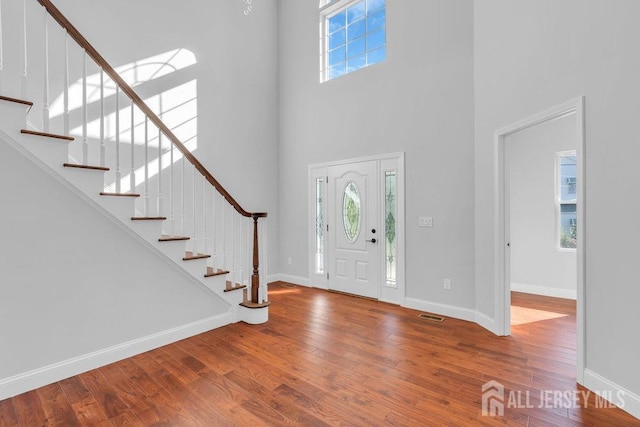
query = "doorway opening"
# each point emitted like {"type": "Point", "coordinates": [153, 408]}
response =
{"type": "Point", "coordinates": [356, 227]}
{"type": "Point", "coordinates": [540, 216]}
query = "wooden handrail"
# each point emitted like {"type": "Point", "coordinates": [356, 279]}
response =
{"type": "Point", "coordinates": [108, 69]}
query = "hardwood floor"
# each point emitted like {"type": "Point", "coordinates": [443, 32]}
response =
{"type": "Point", "coordinates": [331, 359]}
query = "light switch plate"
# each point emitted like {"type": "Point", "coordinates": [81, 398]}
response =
{"type": "Point", "coordinates": [425, 221]}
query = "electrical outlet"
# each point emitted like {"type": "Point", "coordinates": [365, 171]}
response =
{"type": "Point", "coordinates": [290, 260]}
{"type": "Point", "coordinates": [447, 284]}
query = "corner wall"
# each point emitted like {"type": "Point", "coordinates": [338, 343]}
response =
{"type": "Point", "coordinates": [532, 55]}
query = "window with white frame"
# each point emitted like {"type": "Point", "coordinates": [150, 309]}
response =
{"type": "Point", "coordinates": [566, 164]}
{"type": "Point", "coordinates": [353, 36]}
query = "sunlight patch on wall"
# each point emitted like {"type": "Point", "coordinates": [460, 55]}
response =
{"type": "Point", "coordinates": [174, 99]}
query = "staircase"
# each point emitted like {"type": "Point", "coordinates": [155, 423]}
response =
{"type": "Point", "coordinates": [133, 168]}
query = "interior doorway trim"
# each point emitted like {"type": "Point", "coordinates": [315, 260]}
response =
{"type": "Point", "coordinates": [384, 162]}
{"type": "Point", "coordinates": [502, 295]}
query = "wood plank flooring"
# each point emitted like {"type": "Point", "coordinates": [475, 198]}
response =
{"type": "Point", "coordinates": [330, 359]}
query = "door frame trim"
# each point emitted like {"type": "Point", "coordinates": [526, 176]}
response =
{"type": "Point", "coordinates": [502, 294]}
{"type": "Point", "coordinates": [320, 170]}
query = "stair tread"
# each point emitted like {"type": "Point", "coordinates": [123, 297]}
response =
{"type": "Point", "coordinates": [16, 100]}
{"type": "Point", "coordinates": [119, 194]}
{"type": "Point", "coordinates": [254, 305]}
{"type": "Point", "coordinates": [233, 287]}
{"type": "Point", "coordinates": [172, 238]}
{"type": "Point", "coordinates": [189, 256]}
{"type": "Point", "coordinates": [212, 273]}
{"type": "Point", "coordinates": [148, 218]}
{"type": "Point", "coordinates": [46, 134]}
{"type": "Point", "coordinates": [88, 167]}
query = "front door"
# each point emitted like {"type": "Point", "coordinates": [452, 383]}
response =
{"type": "Point", "coordinates": [354, 230]}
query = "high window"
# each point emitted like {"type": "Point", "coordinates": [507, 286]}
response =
{"type": "Point", "coordinates": [566, 199]}
{"type": "Point", "coordinates": [353, 36]}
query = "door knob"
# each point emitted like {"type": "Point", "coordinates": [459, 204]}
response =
{"type": "Point", "coordinates": [372, 240]}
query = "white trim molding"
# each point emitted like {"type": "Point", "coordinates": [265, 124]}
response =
{"type": "Point", "coordinates": [446, 310]}
{"type": "Point", "coordinates": [544, 290]}
{"type": "Point", "coordinates": [295, 280]}
{"type": "Point", "coordinates": [21, 383]}
{"type": "Point", "coordinates": [612, 392]}
{"type": "Point", "coordinates": [502, 293]}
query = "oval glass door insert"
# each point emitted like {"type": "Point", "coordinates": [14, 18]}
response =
{"type": "Point", "coordinates": [351, 211]}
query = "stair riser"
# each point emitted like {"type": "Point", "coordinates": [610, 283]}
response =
{"type": "Point", "coordinates": [13, 116]}
{"type": "Point", "coordinates": [51, 152]}
{"type": "Point", "coordinates": [173, 250]}
{"type": "Point", "coordinates": [120, 207]}
{"type": "Point", "coordinates": [253, 316]}
{"type": "Point", "coordinates": [89, 181]}
{"type": "Point", "coordinates": [196, 267]}
{"type": "Point", "coordinates": [150, 230]}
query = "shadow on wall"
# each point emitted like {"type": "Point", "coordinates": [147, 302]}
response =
{"type": "Point", "coordinates": [167, 85]}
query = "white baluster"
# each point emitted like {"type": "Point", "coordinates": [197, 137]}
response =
{"type": "Point", "coordinates": [195, 216]}
{"type": "Point", "coordinates": [85, 141]}
{"type": "Point", "coordinates": [160, 207]}
{"type": "Point", "coordinates": [132, 173]}
{"type": "Point", "coordinates": [146, 166]}
{"type": "Point", "coordinates": [45, 100]}
{"type": "Point", "coordinates": [172, 219]}
{"type": "Point", "coordinates": [1, 52]}
{"type": "Point", "coordinates": [183, 229]}
{"type": "Point", "coordinates": [66, 84]}
{"type": "Point", "coordinates": [214, 233]}
{"type": "Point", "coordinates": [242, 248]}
{"type": "Point", "coordinates": [223, 234]}
{"type": "Point", "coordinates": [264, 265]}
{"type": "Point", "coordinates": [103, 150]}
{"type": "Point", "coordinates": [205, 249]}
{"type": "Point", "coordinates": [118, 171]}
{"type": "Point", "coordinates": [234, 251]}
{"type": "Point", "coordinates": [23, 80]}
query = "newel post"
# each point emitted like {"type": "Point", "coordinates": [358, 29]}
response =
{"type": "Point", "coordinates": [255, 277]}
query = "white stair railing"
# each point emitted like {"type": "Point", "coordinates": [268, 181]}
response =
{"type": "Point", "coordinates": [95, 109]}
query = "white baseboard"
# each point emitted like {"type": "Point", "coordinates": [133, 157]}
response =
{"type": "Point", "coordinates": [486, 322]}
{"type": "Point", "coordinates": [441, 309]}
{"type": "Point", "coordinates": [544, 290]}
{"type": "Point", "coordinates": [24, 382]}
{"type": "Point", "coordinates": [616, 394]}
{"type": "Point", "coordinates": [302, 281]}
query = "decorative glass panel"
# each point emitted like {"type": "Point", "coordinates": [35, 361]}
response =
{"type": "Point", "coordinates": [390, 242]}
{"type": "Point", "coordinates": [351, 213]}
{"type": "Point", "coordinates": [320, 225]}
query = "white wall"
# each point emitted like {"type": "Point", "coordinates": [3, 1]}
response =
{"type": "Point", "coordinates": [532, 55]}
{"type": "Point", "coordinates": [72, 282]}
{"type": "Point", "coordinates": [420, 101]}
{"type": "Point", "coordinates": [537, 265]}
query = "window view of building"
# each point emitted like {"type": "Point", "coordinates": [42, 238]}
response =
{"type": "Point", "coordinates": [566, 190]}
